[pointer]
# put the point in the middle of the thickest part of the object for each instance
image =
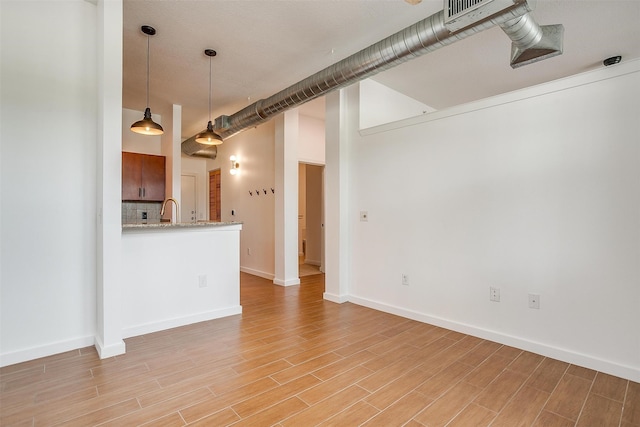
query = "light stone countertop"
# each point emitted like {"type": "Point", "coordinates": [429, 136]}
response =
{"type": "Point", "coordinates": [170, 225]}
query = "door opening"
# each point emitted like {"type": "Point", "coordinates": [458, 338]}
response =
{"type": "Point", "coordinates": [215, 211]}
{"type": "Point", "coordinates": [310, 219]}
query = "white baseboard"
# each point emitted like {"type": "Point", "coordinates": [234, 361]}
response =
{"type": "Point", "coordinates": [290, 282]}
{"type": "Point", "coordinates": [111, 350]}
{"type": "Point", "coordinates": [258, 273]}
{"type": "Point", "coordinates": [543, 349]}
{"type": "Point", "coordinates": [147, 328]}
{"type": "Point", "coordinates": [19, 356]}
{"type": "Point", "coordinates": [336, 298]}
{"type": "Point", "coordinates": [312, 262]}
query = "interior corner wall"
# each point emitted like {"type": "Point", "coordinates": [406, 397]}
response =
{"type": "Point", "coordinates": [380, 104]}
{"type": "Point", "coordinates": [48, 185]}
{"type": "Point", "coordinates": [108, 333]}
{"type": "Point", "coordinates": [254, 150]}
{"type": "Point", "coordinates": [340, 124]}
{"type": "Point", "coordinates": [535, 192]}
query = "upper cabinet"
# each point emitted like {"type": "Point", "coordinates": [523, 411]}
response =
{"type": "Point", "coordinates": [143, 177]}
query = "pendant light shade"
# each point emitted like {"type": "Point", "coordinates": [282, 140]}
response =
{"type": "Point", "coordinates": [147, 126]}
{"type": "Point", "coordinates": [209, 137]}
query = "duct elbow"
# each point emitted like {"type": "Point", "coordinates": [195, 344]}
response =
{"type": "Point", "coordinates": [523, 31]}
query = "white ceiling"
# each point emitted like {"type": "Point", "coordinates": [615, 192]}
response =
{"type": "Point", "coordinates": [265, 46]}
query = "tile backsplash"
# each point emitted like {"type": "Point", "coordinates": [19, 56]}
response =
{"type": "Point", "coordinates": [134, 212]}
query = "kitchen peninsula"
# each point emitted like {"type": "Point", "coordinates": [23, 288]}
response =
{"type": "Point", "coordinates": [178, 274]}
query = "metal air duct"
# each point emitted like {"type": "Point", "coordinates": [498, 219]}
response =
{"type": "Point", "coordinates": [192, 148]}
{"type": "Point", "coordinates": [532, 42]}
{"type": "Point", "coordinates": [422, 37]}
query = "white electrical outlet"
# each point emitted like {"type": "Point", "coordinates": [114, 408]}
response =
{"type": "Point", "coordinates": [364, 216]}
{"type": "Point", "coordinates": [202, 281]}
{"type": "Point", "coordinates": [494, 294]}
{"type": "Point", "coordinates": [405, 279]}
{"type": "Point", "coordinates": [248, 251]}
{"type": "Point", "coordinates": [534, 301]}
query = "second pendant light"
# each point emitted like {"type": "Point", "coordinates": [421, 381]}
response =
{"type": "Point", "coordinates": [209, 137]}
{"type": "Point", "coordinates": [147, 126]}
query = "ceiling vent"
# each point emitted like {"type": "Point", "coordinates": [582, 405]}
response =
{"type": "Point", "coordinates": [462, 13]}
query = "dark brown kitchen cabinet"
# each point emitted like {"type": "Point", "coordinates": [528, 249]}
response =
{"type": "Point", "coordinates": [143, 177]}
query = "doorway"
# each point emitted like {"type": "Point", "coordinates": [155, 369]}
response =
{"type": "Point", "coordinates": [215, 211]}
{"type": "Point", "coordinates": [310, 219]}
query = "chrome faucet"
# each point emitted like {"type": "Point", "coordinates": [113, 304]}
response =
{"type": "Point", "coordinates": [164, 205]}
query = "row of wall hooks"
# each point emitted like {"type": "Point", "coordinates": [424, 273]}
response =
{"type": "Point", "coordinates": [263, 190]}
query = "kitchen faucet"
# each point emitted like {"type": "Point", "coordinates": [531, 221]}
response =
{"type": "Point", "coordinates": [164, 205]}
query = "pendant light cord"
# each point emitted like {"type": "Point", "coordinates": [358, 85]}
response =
{"type": "Point", "coordinates": [148, 41]}
{"type": "Point", "coordinates": [209, 88]}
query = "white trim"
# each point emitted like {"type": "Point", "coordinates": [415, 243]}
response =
{"type": "Point", "coordinates": [148, 328]}
{"type": "Point", "coordinates": [558, 353]}
{"type": "Point", "coordinates": [290, 282]}
{"type": "Point", "coordinates": [335, 298]}
{"type": "Point", "coordinates": [263, 274]}
{"type": "Point", "coordinates": [312, 262]}
{"type": "Point", "coordinates": [110, 351]}
{"type": "Point", "coordinates": [562, 84]}
{"type": "Point", "coordinates": [25, 355]}
{"type": "Point", "coordinates": [312, 162]}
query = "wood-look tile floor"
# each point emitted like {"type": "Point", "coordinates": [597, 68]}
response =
{"type": "Point", "coordinates": [292, 359]}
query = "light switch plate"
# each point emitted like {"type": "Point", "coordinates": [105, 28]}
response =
{"type": "Point", "coordinates": [534, 301]}
{"type": "Point", "coordinates": [202, 281]}
{"type": "Point", "coordinates": [494, 294]}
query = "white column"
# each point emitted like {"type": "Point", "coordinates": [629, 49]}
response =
{"type": "Point", "coordinates": [108, 339]}
{"type": "Point", "coordinates": [171, 149]}
{"type": "Point", "coordinates": [336, 191]}
{"type": "Point", "coordinates": [176, 153]}
{"type": "Point", "coordinates": [286, 199]}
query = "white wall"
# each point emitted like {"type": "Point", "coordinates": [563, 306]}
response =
{"type": "Point", "coordinates": [287, 134]}
{"type": "Point", "coordinates": [108, 332]}
{"type": "Point", "coordinates": [48, 213]}
{"type": "Point", "coordinates": [311, 140]}
{"type": "Point", "coordinates": [198, 168]}
{"type": "Point", "coordinates": [340, 124]}
{"type": "Point", "coordinates": [175, 277]}
{"type": "Point", "coordinates": [254, 149]}
{"type": "Point", "coordinates": [380, 104]}
{"type": "Point", "coordinates": [533, 192]}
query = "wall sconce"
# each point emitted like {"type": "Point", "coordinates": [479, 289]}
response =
{"type": "Point", "coordinates": [235, 166]}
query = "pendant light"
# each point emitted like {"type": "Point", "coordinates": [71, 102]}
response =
{"type": "Point", "coordinates": [209, 137]}
{"type": "Point", "coordinates": [147, 126]}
